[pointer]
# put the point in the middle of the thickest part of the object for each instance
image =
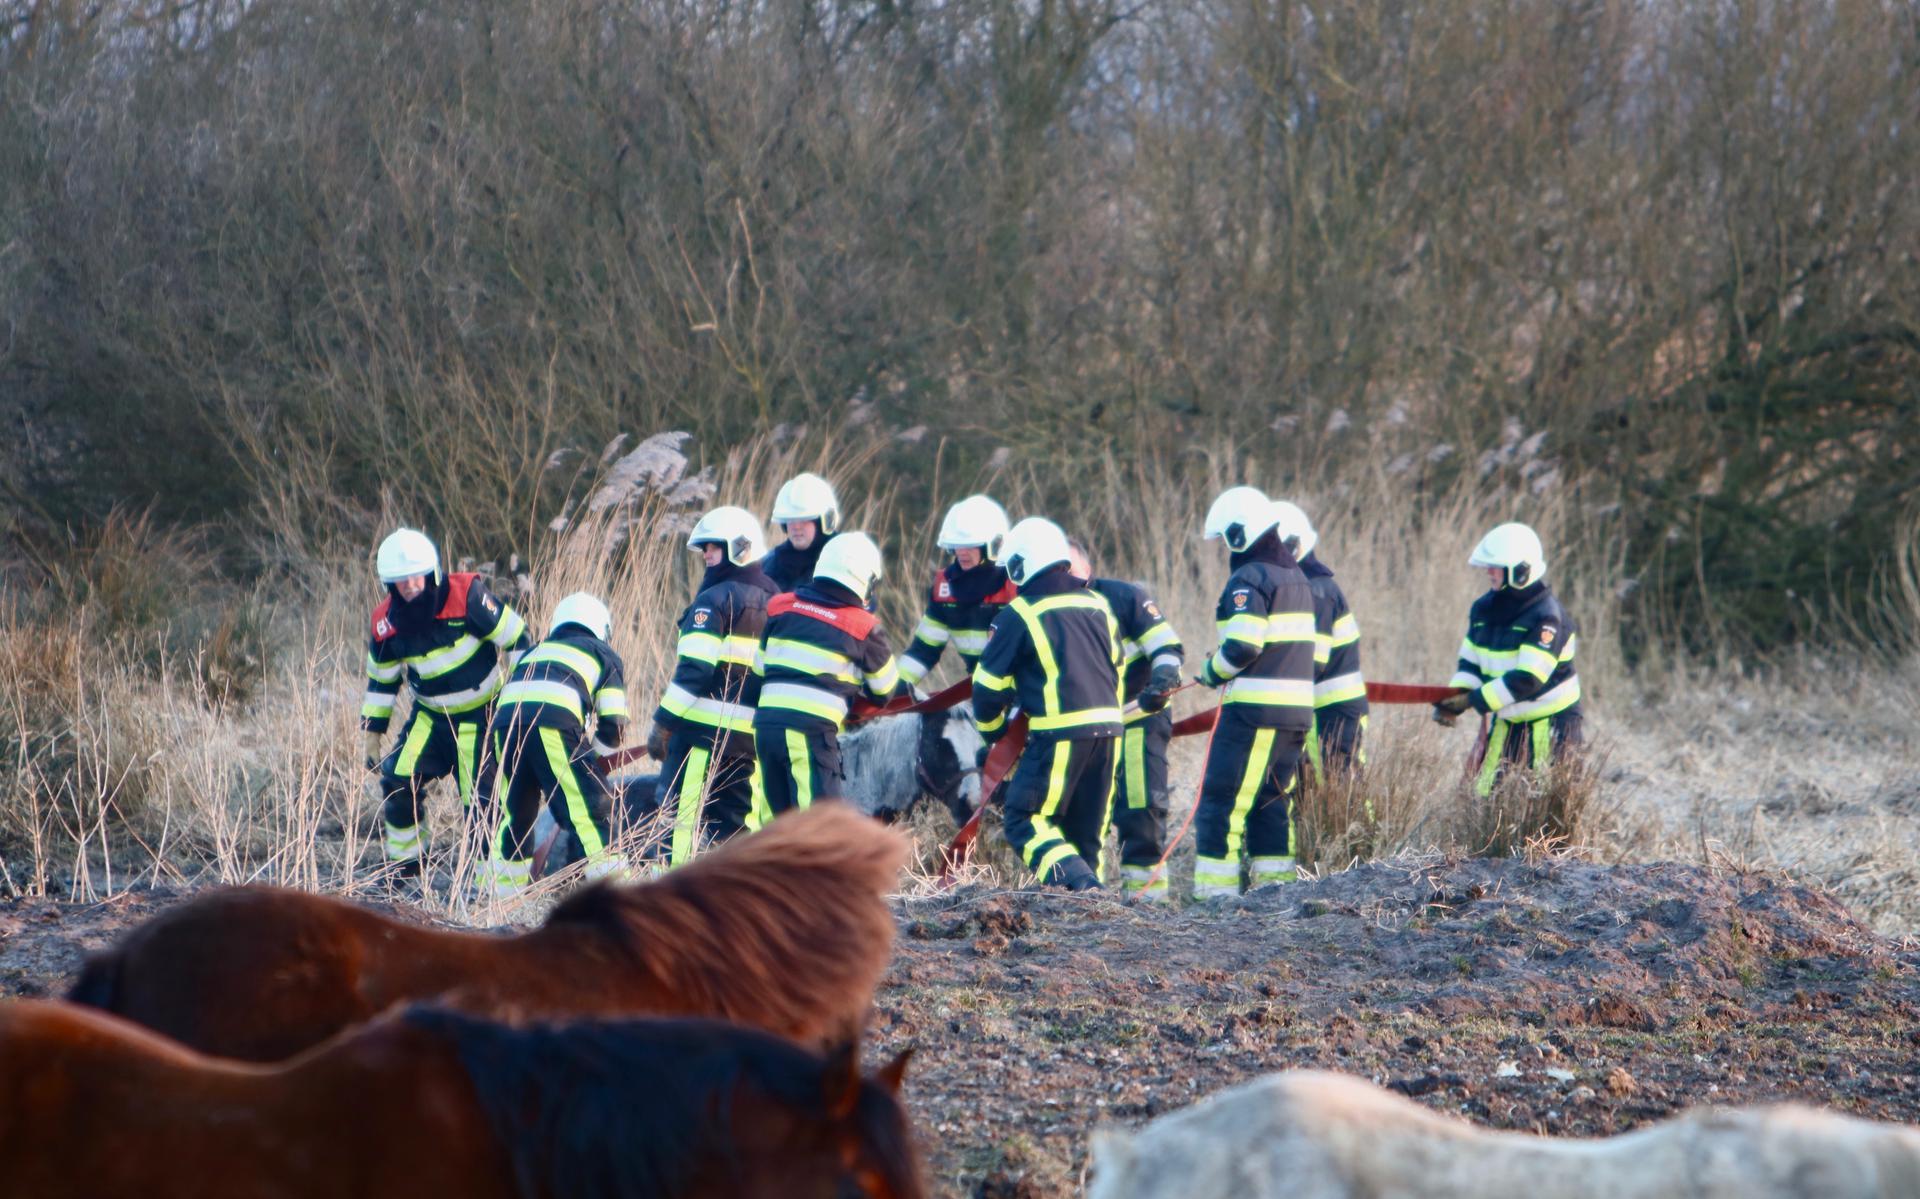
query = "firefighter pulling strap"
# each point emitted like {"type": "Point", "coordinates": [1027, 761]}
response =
{"type": "Point", "coordinates": [1001, 761]}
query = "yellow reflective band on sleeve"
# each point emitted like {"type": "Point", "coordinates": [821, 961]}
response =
{"type": "Point", "coordinates": [1322, 650]}
{"type": "Point", "coordinates": [988, 726]}
{"type": "Point", "coordinates": [1346, 631]}
{"type": "Point", "coordinates": [882, 683]}
{"type": "Point", "coordinates": [1465, 680]}
{"type": "Point", "coordinates": [610, 701]}
{"type": "Point", "coordinates": [376, 704]}
{"type": "Point", "coordinates": [1244, 627]}
{"type": "Point", "coordinates": [508, 629]}
{"type": "Point", "coordinates": [1536, 662]}
{"type": "Point", "coordinates": [983, 681]}
{"type": "Point", "coordinates": [931, 631]}
{"type": "Point", "coordinates": [578, 661]}
{"type": "Point", "coordinates": [383, 672]}
{"type": "Point", "coordinates": [1159, 637]}
{"type": "Point", "coordinates": [1496, 695]}
{"type": "Point", "coordinates": [700, 647]}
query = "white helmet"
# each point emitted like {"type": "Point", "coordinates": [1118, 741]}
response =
{"type": "Point", "coordinates": [1241, 516]}
{"type": "Point", "coordinates": [736, 529]}
{"type": "Point", "coordinates": [853, 561]}
{"type": "Point", "coordinates": [1031, 547]}
{"type": "Point", "coordinates": [1295, 528]}
{"type": "Point", "coordinates": [404, 554]}
{"type": "Point", "coordinates": [976, 520]}
{"type": "Point", "coordinates": [1516, 548]}
{"type": "Point", "coordinates": [587, 612]}
{"type": "Point", "coordinates": [807, 496]}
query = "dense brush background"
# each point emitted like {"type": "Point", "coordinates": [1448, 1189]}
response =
{"type": "Point", "coordinates": [276, 275]}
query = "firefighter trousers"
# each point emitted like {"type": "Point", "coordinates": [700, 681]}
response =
{"type": "Point", "coordinates": [798, 766]}
{"type": "Point", "coordinates": [712, 782]}
{"type": "Point", "coordinates": [432, 746]}
{"type": "Point", "coordinates": [1244, 797]}
{"type": "Point", "coordinates": [555, 768]}
{"type": "Point", "coordinates": [1533, 745]}
{"type": "Point", "coordinates": [1334, 747]}
{"type": "Point", "coordinates": [1140, 801]}
{"type": "Point", "coordinates": [1056, 813]}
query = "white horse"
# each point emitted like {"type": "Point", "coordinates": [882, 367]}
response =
{"type": "Point", "coordinates": [1314, 1135]}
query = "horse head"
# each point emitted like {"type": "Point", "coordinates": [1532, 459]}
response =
{"type": "Point", "coordinates": [949, 745]}
{"type": "Point", "coordinates": [838, 1136]}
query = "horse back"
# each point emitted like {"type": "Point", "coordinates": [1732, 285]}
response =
{"type": "Point", "coordinates": [261, 973]}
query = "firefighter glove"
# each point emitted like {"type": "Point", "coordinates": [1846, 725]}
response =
{"type": "Point", "coordinates": [1206, 677]}
{"type": "Point", "coordinates": [657, 742]}
{"type": "Point", "coordinates": [1442, 716]}
{"type": "Point", "coordinates": [375, 744]}
{"type": "Point", "coordinates": [1159, 689]}
{"type": "Point", "coordinates": [1457, 703]}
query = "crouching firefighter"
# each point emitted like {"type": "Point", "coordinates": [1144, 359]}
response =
{"type": "Point", "coordinates": [564, 708]}
{"type": "Point", "coordinates": [454, 642]}
{"type": "Point", "coordinates": [1150, 660]}
{"type": "Point", "coordinates": [821, 649]}
{"type": "Point", "coordinates": [966, 594]}
{"type": "Point", "coordinates": [1516, 661]}
{"type": "Point", "coordinates": [703, 730]}
{"type": "Point", "coordinates": [1340, 708]}
{"type": "Point", "coordinates": [1264, 665]}
{"type": "Point", "coordinates": [1053, 652]}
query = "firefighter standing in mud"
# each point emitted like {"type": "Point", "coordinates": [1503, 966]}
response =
{"type": "Point", "coordinates": [966, 594]}
{"type": "Point", "coordinates": [1264, 665]}
{"type": "Point", "coordinates": [703, 730]}
{"type": "Point", "coordinates": [564, 707]}
{"type": "Point", "coordinates": [1516, 661]}
{"type": "Point", "coordinates": [453, 642]}
{"type": "Point", "coordinates": [808, 513]}
{"type": "Point", "coordinates": [822, 649]}
{"type": "Point", "coordinates": [1150, 660]}
{"type": "Point", "coordinates": [1340, 709]}
{"type": "Point", "coordinates": [1054, 653]}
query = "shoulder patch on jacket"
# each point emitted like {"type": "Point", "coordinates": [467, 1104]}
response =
{"type": "Point", "coordinates": [1241, 595]}
{"type": "Point", "coordinates": [1547, 633]}
{"type": "Point", "coordinates": [701, 616]}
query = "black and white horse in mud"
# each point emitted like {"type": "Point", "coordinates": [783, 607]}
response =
{"type": "Point", "coordinates": [893, 763]}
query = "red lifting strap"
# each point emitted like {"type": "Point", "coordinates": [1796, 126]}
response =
{"type": "Point", "coordinates": [860, 712]}
{"type": "Point", "coordinates": [1378, 693]}
{"type": "Point", "coordinates": [1000, 762]}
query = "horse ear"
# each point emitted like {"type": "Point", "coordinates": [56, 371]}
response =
{"type": "Point", "coordinates": [840, 1082]}
{"type": "Point", "coordinates": [894, 1072]}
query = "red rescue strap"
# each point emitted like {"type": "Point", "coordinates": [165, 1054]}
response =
{"type": "Point", "coordinates": [860, 712]}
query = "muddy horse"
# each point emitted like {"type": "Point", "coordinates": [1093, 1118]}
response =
{"type": "Point", "coordinates": [786, 930]}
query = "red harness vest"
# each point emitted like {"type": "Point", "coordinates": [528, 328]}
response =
{"type": "Point", "coordinates": [454, 609]}
{"type": "Point", "coordinates": [854, 622]}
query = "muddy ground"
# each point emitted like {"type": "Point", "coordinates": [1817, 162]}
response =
{"type": "Point", "coordinates": [1558, 996]}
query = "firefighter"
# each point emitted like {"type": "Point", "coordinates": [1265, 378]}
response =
{"type": "Point", "coordinates": [1150, 660]}
{"type": "Point", "coordinates": [1053, 652]}
{"type": "Point", "coordinates": [822, 648]}
{"type": "Point", "coordinates": [966, 594]}
{"type": "Point", "coordinates": [1264, 665]}
{"type": "Point", "coordinates": [1339, 689]}
{"type": "Point", "coordinates": [1516, 662]}
{"type": "Point", "coordinates": [703, 730]}
{"type": "Point", "coordinates": [454, 642]}
{"type": "Point", "coordinates": [564, 708]}
{"type": "Point", "coordinates": [808, 513]}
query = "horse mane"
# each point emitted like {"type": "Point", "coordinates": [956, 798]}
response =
{"type": "Point", "coordinates": [559, 1095]}
{"type": "Point", "coordinates": [789, 919]}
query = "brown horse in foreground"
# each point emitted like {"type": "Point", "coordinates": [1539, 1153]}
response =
{"type": "Point", "coordinates": [430, 1102]}
{"type": "Point", "coordinates": [787, 929]}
